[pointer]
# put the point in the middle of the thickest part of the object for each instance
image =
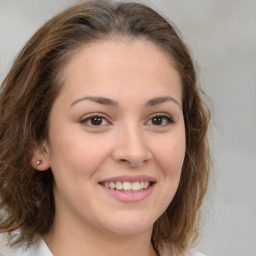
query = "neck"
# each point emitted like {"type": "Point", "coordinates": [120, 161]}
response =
{"type": "Point", "coordinates": [81, 241]}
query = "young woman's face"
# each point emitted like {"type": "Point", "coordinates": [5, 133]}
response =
{"type": "Point", "coordinates": [116, 137]}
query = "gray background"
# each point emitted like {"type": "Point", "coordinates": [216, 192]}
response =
{"type": "Point", "coordinates": [222, 38]}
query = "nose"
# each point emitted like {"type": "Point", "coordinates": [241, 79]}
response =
{"type": "Point", "coordinates": [131, 147]}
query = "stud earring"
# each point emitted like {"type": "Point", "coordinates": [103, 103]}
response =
{"type": "Point", "coordinates": [38, 162]}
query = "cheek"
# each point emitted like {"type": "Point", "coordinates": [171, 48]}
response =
{"type": "Point", "coordinates": [171, 155]}
{"type": "Point", "coordinates": [77, 155]}
{"type": "Point", "coordinates": [172, 165]}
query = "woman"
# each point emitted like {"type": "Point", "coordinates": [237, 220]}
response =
{"type": "Point", "coordinates": [103, 137]}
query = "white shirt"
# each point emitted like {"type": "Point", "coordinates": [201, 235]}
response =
{"type": "Point", "coordinates": [39, 248]}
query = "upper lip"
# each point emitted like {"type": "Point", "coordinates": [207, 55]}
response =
{"type": "Point", "coordinates": [129, 178]}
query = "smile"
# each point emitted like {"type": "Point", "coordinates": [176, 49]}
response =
{"type": "Point", "coordinates": [129, 188]}
{"type": "Point", "coordinates": [126, 186]}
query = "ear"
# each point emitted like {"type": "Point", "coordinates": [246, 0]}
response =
{"type": "Point", "coordinates": [40, 158]}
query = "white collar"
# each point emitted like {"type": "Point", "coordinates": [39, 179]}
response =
{"type": "Point", "coordinates": [39, 248]}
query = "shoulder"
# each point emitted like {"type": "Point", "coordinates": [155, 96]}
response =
{"type": "Point", "coordinates": [4, 248]}
{"type": "Point", "coordinates": [19, 249]}
{"type": "Point", "coordinates": [25, 248]}
{"type": "Point", "coordinates": [164, 251]}
{"type": "Point", "coordinates": [197, 254]}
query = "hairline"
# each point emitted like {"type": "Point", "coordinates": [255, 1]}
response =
{"type": "Point", "coordinates": [66, 58]}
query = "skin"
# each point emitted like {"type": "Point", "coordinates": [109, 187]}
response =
{"type": "Point", "coordinates": [126, 140]}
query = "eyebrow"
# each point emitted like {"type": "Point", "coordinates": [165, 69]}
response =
{"type": "Point", "coordinates": [160, 100]}
{"type": "Point", "coordinates": [110, 102]}
{"type": "Point", "coordinates": [100, 100]}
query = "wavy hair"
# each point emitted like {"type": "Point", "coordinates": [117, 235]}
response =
{"type": "Point", "coordinates": [30, 88]}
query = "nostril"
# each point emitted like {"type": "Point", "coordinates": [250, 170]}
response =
{"type": "Point", "coordinates": [131, 154]}
{"type": "Point", "coordinates": [123, 161]}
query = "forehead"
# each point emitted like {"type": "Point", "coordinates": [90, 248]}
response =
{"type": "Point", "coordinates": [114, 64]}
{"type": "Point", "coordinates": [131, 46]}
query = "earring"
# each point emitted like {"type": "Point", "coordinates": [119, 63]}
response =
{"type": "Point", "coordinates": [38, 162]}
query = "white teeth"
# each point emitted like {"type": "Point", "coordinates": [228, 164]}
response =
{"type": "Point", "coordinates": [119, 185]}
{"type": "Point", "coordinates": [127, 186]}
{"type": "Point", "coordinates": [136, 186]}
{"type": "Point", "coordinates": [146, 184]}
{"type": "Point", "coordinates": [112, 185]}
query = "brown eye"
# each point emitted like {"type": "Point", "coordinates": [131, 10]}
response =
{"type": "Point", "coordinates": [94, 120]}
{"type": "Point", "coordinates": [160, 120]}
{"type": "Point", "coordinates": [157, 120]}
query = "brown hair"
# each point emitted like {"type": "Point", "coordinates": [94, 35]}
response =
{"type": "Point", "coordinates": [32, 85]}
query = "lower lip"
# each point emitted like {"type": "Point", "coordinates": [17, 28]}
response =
{"type": "Point", "coordinates": [130, 196]}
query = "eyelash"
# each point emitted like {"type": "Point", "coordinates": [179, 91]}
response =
{"type": "Point", "coordinates": [94, 115]}
{"type": "Point", "coordinates": [169, 120]}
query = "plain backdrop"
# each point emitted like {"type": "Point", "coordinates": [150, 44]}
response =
{"type": "Point", "coordinates": [222, 38]}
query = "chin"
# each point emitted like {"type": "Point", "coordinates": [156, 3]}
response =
{"type": "Point", "coordinates": [131, 225]}
{"type": "Point", "coordinates": [130, 230]}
